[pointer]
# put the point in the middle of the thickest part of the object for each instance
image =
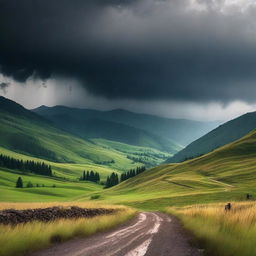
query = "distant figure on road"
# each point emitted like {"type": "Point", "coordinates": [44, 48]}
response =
{"type": "Point", "coordinates": [228, 207]}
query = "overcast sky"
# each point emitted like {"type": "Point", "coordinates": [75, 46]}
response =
{"type": "Point", "coordinates": [177, 58]}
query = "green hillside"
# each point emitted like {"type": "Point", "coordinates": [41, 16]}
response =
{"type": "Point", "coordinates": [24, 132]}
{"type": "Point", "coordinates": [125, 126]}
{"type": "Point", "coordinates": [45, 189]}
{"type": "Point", "coordinates": [94, 124]}
{"type": "Point", "coordinates": [227, 173]}
{"type": "Point", "coordinates": [38, 138]}
{"type": "Point", "coordinates": [224, 134]}
{"type": "Point", "coordinates": [25, 135]}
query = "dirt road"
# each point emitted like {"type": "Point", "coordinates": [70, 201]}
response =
{"type": "Point", "coordinates": [149, 234]}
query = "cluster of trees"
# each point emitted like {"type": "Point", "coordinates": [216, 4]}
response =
{"type": "Point", "coordinates": [143, 160]}
{"type": "Point", "coordinates": [105, 162]}
{"type": "Point", "coordinates": [31, 166]}
{"type": "Point", "coordinates": [131, 173]}
{"type": "Point", "coordinates": [150, 154]}
{"type": "Point", "coordinates": [20, 184]}
{"type": "Point", "coordinates": [112, 180]}
{"type": "Point", "coordinates": [91, 176]}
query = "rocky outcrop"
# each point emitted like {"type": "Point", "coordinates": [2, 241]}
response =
{"type": "Point", "coordinates": [14, 217]}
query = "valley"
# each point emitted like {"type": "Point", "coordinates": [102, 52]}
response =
{"type": "Point", "coordinates": [127, 128]}
{"type": "Point", "coordinates": [225, 174]}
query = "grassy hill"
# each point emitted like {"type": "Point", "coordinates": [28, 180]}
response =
{"type": "Point", "coordinates": [28, 136]}
{"type": "Point", "coordinates": [125, 126]}
{"type": "Point", "coordinates": [227, 173]}
{"type": "Point", "coordinates": [224, 134]}
{"type": "Point", "coordinates": [25, 132]}
{"type": "Point", "coordinates": [45, 188]}
{"type": "Point", "coordinates": [94, 124]}
{"type": "Point", "coordinates": [32, 135]}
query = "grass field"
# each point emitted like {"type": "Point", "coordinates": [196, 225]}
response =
{"type": "Point", "coordinates": [222, 233]}
{"type": "Point", "coordinates": [49, 189]}
{"type": "Point", "coordinates": [38, 139]}
{"type": "Point", "coordinates": [225, 174]}
{"type": "Point", "coordinates": [66, 180]}
{"type": "Point", "coordinates": [24, 135]}
{"type": "Point", "coordinates": [22, 239]}
{"type": "Point", "coordinates": [27, 135]}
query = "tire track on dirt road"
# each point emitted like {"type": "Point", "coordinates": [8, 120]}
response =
{"type": "Point", "coordinates": [149, 234]}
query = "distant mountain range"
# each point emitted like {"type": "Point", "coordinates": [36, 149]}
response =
{"type": "Point", "coordinates": [224, 134]}
{"type": "Point", "coordinates": [165, 134]}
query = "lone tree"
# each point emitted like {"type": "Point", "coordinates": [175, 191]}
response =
{"type": "Point", "coordinates": [19, 183]}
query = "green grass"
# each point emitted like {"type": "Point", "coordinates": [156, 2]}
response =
{"type": "Point", "coordinates": [24, 135]}
{"type": "Point", "coordinates": [151, 156]}
{"type": "Point", "coordinates": [39, 139]}
{"type": "Point", "coordinates": [64, 190]}
{"type": "Point", "coordinates": [35, 137]}
{"type": "Point", "coordinates": [225, 174]}
{"type": "Point", "coordinates": [222, 175]}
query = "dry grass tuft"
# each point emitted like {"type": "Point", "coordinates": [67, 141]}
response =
{"type": "Point", "coordinates": [22, 206]}
{"type": "Point", "coordinates": [220, 232]}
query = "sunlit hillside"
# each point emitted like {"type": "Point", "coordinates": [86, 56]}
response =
{"type": "Point", "coordinates": [225, 174]}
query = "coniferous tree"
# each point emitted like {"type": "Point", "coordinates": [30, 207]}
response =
{"type": "Point", "coordinates": [29, 184]}
{"type": "Point", "coordinates": [112, 180]}
{"type": "Point", "coordinates": [31, 166]}
{"type": "Point", "coordinates": [108, 182]}
{"type": "Point", "coordinates": [97, 177]}
{"type": "Point", "coordinates": [131, 173]}
{"type": "Point", "coordinates": [19, 183]}
{"type": "Point", "coordinates": [92, 176]}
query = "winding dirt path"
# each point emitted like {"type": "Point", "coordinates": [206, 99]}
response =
{"type": "Point", "coordinates": [149, 234]}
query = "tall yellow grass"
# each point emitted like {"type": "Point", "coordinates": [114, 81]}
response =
{"type": "Point", "coordinates": [22, 239]}
{"type": "Point", "coordinates": [22, 206]}
{"type": "Point", "coordinates": [222, 233]}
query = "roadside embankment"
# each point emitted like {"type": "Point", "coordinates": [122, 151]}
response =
{"type": "Point", "coordinates": [221, 232]}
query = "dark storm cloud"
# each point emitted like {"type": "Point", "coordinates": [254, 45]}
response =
{"type": "Point", "coordinates": [150, 49]}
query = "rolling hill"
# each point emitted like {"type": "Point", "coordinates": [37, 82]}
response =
{"type": "Point", "coordinates": [24, 135]}
{"type": "Point", "coordinates": [224, 134]}
{"type": "Point", "coordinates": [27, 133]}
{"type": "Point", "coordinates": [127, 127]}
{"type": "Point", "coordinates": [226, 174]}
{"type": "Point", "coordinates": [89, 124]}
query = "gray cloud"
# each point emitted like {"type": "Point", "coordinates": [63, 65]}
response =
{"type": "Point", "coordinates": [192, 50]}
{"type": "Point", "coordinates": [4, 86]}
{"type": "Point", "coordinates": [57, 92]}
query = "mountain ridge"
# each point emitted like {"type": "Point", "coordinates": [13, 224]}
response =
{"type": "Point", "coordinates": [223, 134]}
{"type": "Point", "coordinates": [178, 131]}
